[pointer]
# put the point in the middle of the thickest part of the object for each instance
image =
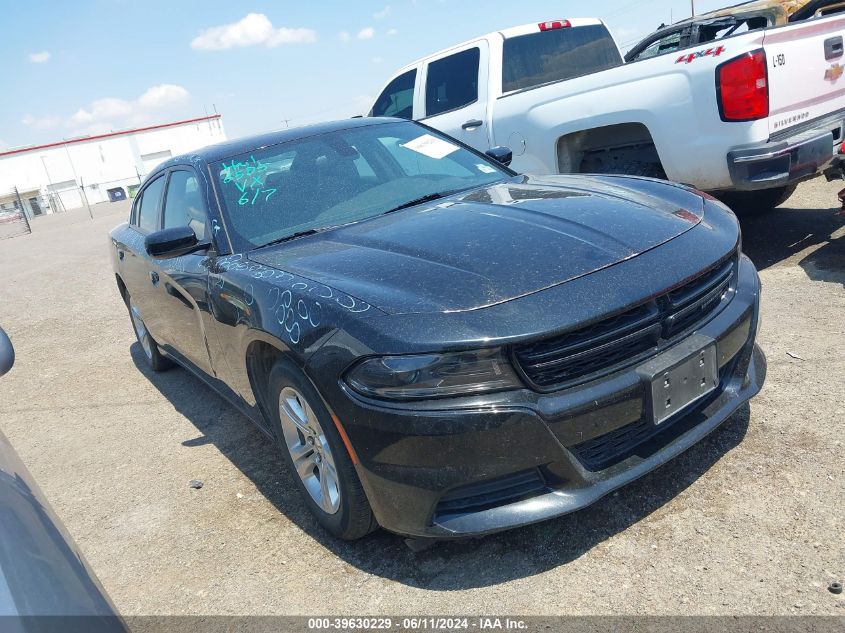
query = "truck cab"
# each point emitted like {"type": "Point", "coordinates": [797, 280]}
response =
{"type": "Point", "coordinates": [452, 90]}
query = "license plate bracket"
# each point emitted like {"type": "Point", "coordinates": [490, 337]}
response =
{"type": "Point", "coordinates": [679, 377]}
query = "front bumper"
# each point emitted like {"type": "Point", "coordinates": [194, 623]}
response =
{"type": "Point", "coordinates": [781, 163]}
{"type": "Point", "coordinates": [480, 465]}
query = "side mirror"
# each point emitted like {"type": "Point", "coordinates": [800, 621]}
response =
{"type": "Point", "coordinates": [7, 353]}
{"type": "Point", "coordinates": [501, 154]}
{"type": "Point", "coordinates": [174, 242]}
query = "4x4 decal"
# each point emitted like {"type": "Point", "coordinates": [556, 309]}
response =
{"type": "Point", "coordinates": [710, 52]}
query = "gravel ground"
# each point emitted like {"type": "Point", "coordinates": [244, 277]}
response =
{"type": "Point", "coordinates": [749, 521]}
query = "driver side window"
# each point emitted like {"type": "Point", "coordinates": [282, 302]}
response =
{"type": "Point", "coordinates": [183, 205]}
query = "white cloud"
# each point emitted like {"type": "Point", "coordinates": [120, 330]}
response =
{"type": "Point", "coordinates": [107, 108]}
{"type": "Point", "coordinates": [39, 58]}
{"type": "Point", "coordinates": [253, 30]}
{"type": "Point", "coordinates": [344, 36]}
{"type": "Point", "coordinates": [111, 110]}
{"type": "Point", "coordinates": [111, 113]}
{"type": "Point", "coordinates": [378, 15]}
{"type": "Point", "coordinates": [163, 95]}
{"type": "Point", "coordinates": [366, 33]}
{"type": "Point", "coordinates": [40, 122]}
{"type": "Point", "coordinates": [392, 32]}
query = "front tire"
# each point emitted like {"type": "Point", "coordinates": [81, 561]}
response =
{"type": "Point", "coordinates": [156, 360]}
{"type": "Point", "coordinates": [756, 202]}
{"type": "Point", "coordinates": [316, 455]}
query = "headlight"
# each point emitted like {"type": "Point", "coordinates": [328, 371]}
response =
{"type": "Point", "coordinates": [433, 375]}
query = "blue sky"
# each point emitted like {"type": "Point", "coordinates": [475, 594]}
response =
{"type": "Point", "coordinates": [83, 67]}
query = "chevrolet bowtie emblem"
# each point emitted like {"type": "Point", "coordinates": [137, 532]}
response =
{"type": "Point", "coordinates": [834, 72]}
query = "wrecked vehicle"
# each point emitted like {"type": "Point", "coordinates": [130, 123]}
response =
{"type": "Point", "coordinates": [722, 23]}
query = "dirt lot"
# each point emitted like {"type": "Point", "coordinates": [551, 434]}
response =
{"type": "Point", "coordinates": [750, 521]}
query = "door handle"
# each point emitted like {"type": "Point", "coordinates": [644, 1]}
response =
{"type": "Point", "coordinates": [154, 278]}
{"type": "Point", "coordinates": [472, 124]}
{"type": "Point", "coordinates": [833, 47]}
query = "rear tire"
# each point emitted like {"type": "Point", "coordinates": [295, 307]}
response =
{"type": "Point", "coordinates": [755, 202]}
{"type": "Point", "coordinates": [641, 162]}
{"type": "Point", "coordinates": [316, 455]}
{"type": "Point", "coordinates": [156, 360]}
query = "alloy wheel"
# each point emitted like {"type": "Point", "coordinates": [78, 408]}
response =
{"type": "Point", "coordinates": [309, 450]}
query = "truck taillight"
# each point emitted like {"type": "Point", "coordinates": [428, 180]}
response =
{"type": "Point", "coordinates": [742, 88]}
{"type": "Point", "coordinates": [554, 24]}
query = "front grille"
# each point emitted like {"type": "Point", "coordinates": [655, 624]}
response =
{"type": "Point", "coordinates": [622, 339]}
{"type": "Point", "coordinates": [611, 448]}
{"type": "Point", "coordinates": [492, 493]}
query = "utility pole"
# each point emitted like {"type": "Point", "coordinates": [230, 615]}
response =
{"type": "Point", "coordinates": [49, 185]}
{"type": "Point", "coordinates": [692, 7]}
{"type": "Point", "coordinates": [76, 178]}
{"type": "Point", "coordinates": [85, 197]}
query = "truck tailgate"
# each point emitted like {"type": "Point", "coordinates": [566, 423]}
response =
{"type": "Point", "coordinates": [806, 64]}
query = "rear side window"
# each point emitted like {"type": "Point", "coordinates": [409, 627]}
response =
{"type": "Point", "coordinates": [398, 98]}
{"type": "Point", "coordinates": [148, 209]}
{"type": "Point", "coordinates": [555, 55]}
{"type": "Point", "coordinates": [452, 82]}
{"type": "Point", "coordinates": [183, 205]}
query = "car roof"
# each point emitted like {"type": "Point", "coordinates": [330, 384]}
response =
{"type": "Point", "coordinates": [221, 151]}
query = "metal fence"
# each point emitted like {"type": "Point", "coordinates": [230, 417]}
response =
{"type": "Point", "coordinates": [14, 219]}
{"type": "Point", "coordinates": [20, 206]}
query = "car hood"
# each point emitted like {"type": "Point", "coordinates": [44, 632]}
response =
{"type": "Point", "coordinates": [492, 244]}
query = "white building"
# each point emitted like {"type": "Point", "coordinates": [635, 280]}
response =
{"type": "Point", "coordinates": [69, 173]}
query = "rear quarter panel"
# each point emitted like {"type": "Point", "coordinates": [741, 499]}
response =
{"type": "Point", "coordinates": [673, 95]}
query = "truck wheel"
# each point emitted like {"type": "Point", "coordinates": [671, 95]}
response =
{"type": "Point", "coordinates": [751, 202]}
{"type": "Point", "coordinates": [643, 161]}
{"type": "Point", "coordinates": [316, 455]}
{"type": "Point", "coordinates": [156, 360]}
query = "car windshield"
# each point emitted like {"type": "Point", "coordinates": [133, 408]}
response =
{"type": "Point", "coordinates": [317, 182]}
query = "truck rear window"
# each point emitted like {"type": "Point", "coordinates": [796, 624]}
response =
{"type": "Point", "coordinates": [554, 55]}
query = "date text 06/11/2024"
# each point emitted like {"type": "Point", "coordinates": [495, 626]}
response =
{"type": "Point", "coordinates": [417, 624]}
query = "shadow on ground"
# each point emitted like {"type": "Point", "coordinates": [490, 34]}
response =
{"type": "Point", "coordinates": [775, 237]}
{"type": "Point", "coordinates": [450, 565]}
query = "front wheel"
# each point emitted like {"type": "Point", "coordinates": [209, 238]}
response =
{"type": "Point", "coordinates": [156, 360]}
{"type": "Point", "coordinates": [317, 456]}
{"type": "Point", "coordinates": [751, 202]}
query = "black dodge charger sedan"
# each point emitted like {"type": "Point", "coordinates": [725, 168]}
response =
{"type": "Point", "coordinates": [438, 345]}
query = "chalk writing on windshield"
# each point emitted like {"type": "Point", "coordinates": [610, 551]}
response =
{"type": "Point", "coordinates": [248, 177]}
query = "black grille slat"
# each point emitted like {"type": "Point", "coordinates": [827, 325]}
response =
{"type": "Point", "coordinates": [603, 355]}
{"type": "Point", "coordinates": [493, 493]}
{"type": "Point", "coordinates": [601, 452]}
{"type": "Point", "coordinates": [697, 310]}
{"type": "Point", "coordinates": [688, 293]}
{"type": "Point", "coordinates": [607, 345]}
{"type": "Point", "coordinates": [605, 330]}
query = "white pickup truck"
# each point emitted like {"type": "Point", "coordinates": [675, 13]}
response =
{"type": "Point", "coordinates": [756, 112]}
